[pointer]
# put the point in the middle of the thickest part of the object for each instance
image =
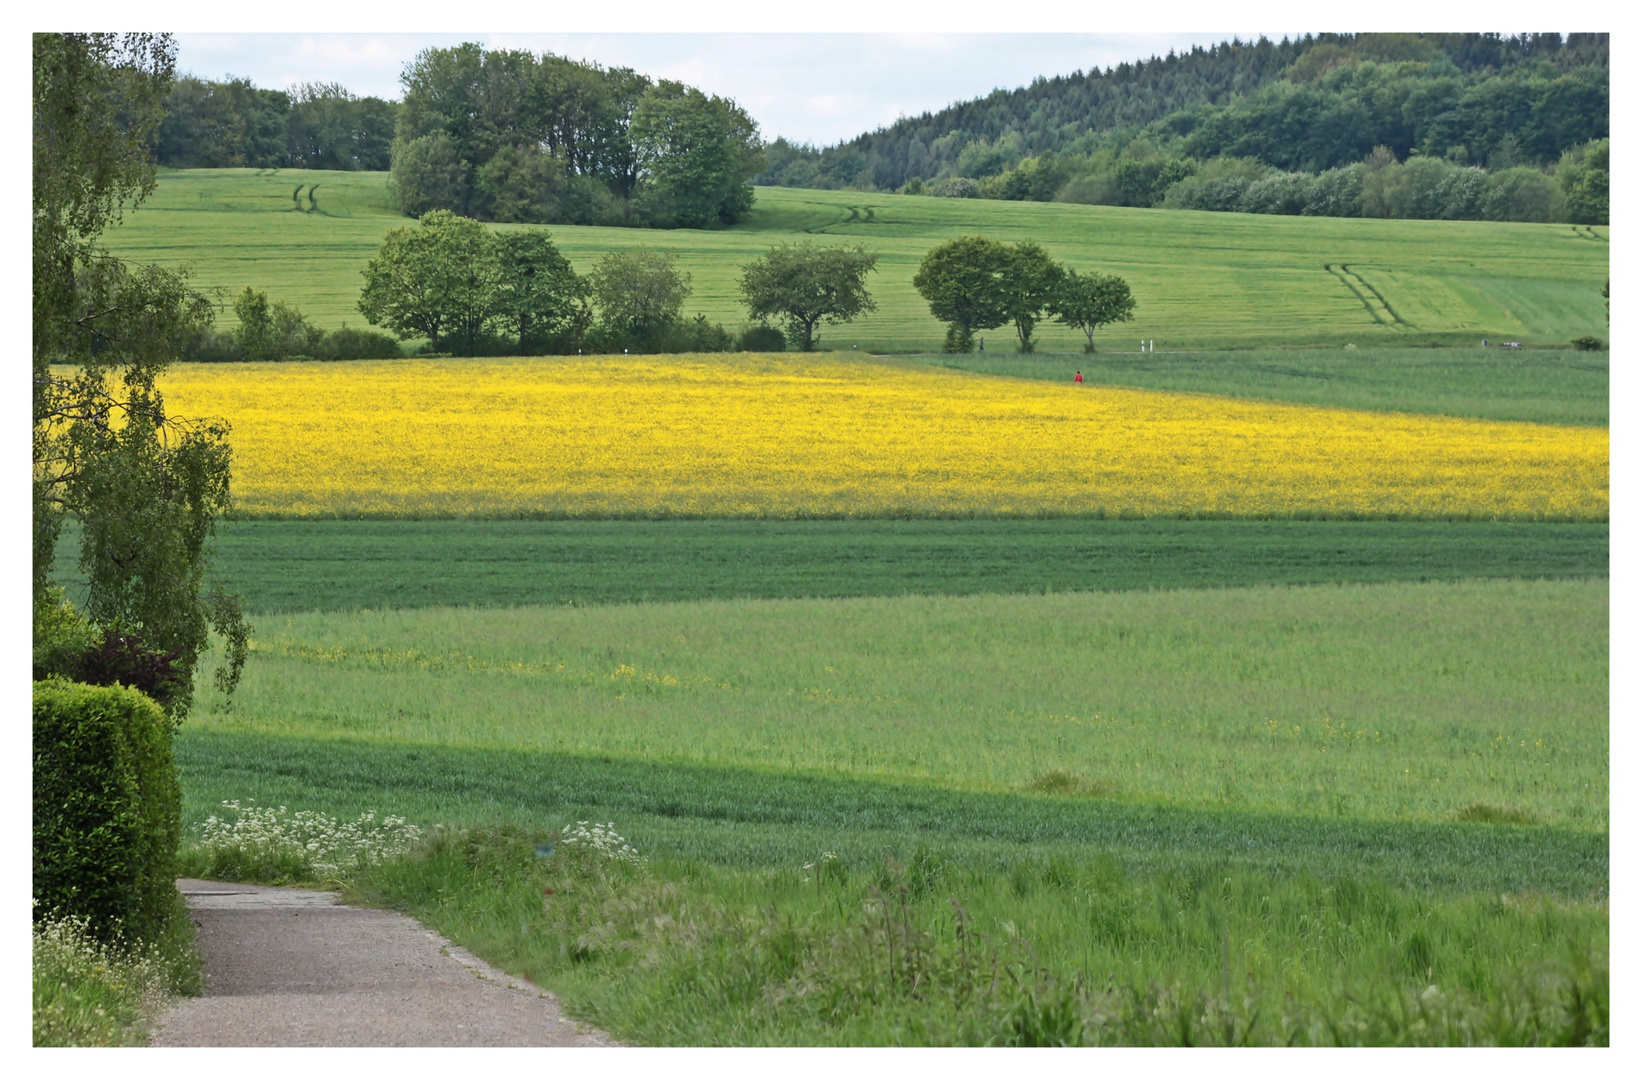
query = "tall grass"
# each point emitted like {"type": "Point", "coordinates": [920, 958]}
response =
{"type": "Point", "coordinates": [1046, 952]}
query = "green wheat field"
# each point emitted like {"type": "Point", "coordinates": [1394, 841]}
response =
{"type": "Point", "coordinates": [1200, 280]}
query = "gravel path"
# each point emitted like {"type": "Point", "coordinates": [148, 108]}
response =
{"type": "Point", "coordinates": [293, 967]}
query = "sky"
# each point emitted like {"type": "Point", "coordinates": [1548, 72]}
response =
{"type": "Point", "coordinates": [819, 88]}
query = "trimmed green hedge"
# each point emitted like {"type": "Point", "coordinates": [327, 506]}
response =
{"type": "Point", "coordinates": [107, 808]}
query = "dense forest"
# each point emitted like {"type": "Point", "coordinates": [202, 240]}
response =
{"type": "Point", "coordinates": [233, 124]}
{"type": "Point", "coordinates": [1401, 125]}
{"type": "Point", "coordinates": [1458, 126]}
{"type": "Point", "coordinates": [504, 135]}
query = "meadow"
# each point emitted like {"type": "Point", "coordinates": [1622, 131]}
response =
{"type": "Point", "coordinates": [304, 237]}
{"type": "Point", "coordinates": [748, 435]}
{"type": "Point", "coordinates": [1251, 694]}
{"type": "Point", "coordinates": [1395, 701]}
{"type": "Point", "coordinates": [1275, 815]}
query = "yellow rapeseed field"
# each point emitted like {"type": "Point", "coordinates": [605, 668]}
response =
{"type": "Point", "coordinates": [770, 436]}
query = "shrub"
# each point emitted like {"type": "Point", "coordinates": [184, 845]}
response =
{"type": "Point", "coordinates": [1092, 189]}
{"type": "Point", "coordinates": [350, 344]}
{"type": "Point", "coordinates": [211, 346]}
{"type": "Point", "coordinates": [760, 337]}
{"type": "Point", "coordinates": [1337, 193]}
{"type": "Point", "coordinates": [1522, 194]}
{"type": "Point", "coordinates": [699, 335]}
{"type": "Point", "coordinates": [953, 187]}
{"type": "Point", "coordinates": [1208, 192]}
{"type": "Point", "coordinates": [107, 809]}
{"type": "Point", "coordinates": [1279, 193]}
{"type": "Point", "coordinates": [72, 647]}
{"type": "Point", "coordinates": [1588, 343]}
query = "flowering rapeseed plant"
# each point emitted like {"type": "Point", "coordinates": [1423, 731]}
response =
{"type": "Point", "coordinates": [784, 437]}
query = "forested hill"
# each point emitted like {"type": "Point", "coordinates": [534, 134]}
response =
{"type": "Point", "coordinates": [1310, 104]}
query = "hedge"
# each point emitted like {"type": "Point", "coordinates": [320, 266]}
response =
{"type": "Point", "coordinates": [107, 809]}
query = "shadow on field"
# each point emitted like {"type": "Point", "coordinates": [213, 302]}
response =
{"type": "Point", "coordinates": [745, 817]}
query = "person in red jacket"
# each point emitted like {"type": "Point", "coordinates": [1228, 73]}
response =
{"type": "Point", "coordinates": [1078, 378]}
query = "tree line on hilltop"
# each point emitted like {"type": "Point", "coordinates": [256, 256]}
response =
{"type": "Point", "coordinates": [1443, 126]}
{"type": "Point", "coordinates": [233, 124]}
{"type": "Point", "coordinates": [496, 135]}
{"type": "Point", "coordinates": [1508, 128]}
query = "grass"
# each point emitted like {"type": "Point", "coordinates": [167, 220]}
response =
{"type": "Point", "coordinates": [1390, 701]}
{"type": "Point", "coordinates": [748, 819]}
{"type": "Point", "coordinates": [1037, 952]}
{"type": "Point", "coordinates": [1254, 280]}
{"type": "Point", "coordinates": [785, 909]}
{"type": "Point", "coordinates": [295, 566]}
{"type": "Point", "coordinates": [1541, 386]}
{"type": "Point", "coordinates": [1359, 814]}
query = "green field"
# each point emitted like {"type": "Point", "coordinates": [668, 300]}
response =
{"type": "Point", "coordinates": [1394, 701]}
{"type": "Point", "coordinates": [1018, 919]}
{"type": "Point", "coordinates": [1356, 814]}
{"type": "Point", "coordinates": [1541, 386]}
{"type": "Point", "coordinates": [1253, 280]}
{"type": "Point", "coordinates": [294, 566]}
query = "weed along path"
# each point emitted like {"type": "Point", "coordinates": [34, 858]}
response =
{"type": "Point", "coordinates": [292, 967]}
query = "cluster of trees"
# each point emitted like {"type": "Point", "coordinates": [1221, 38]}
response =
{"type": "Point", "coordinates": [233, 124]}
{"type": "Point", "coordinates": [973, 284]}
{"type": "Point", "coordinates": [1310, 105]}
{"type": "Point", "coordinates": [1421, 187]}
{"type": "Point", "coordinates": [504, 135]}
{"type": "Point", "coordinates": [468, 289]}
{"type": "Point", "coordinates": [146, 486]}
{"type": "Point", "coordinates": [1575, 189]}
{"type": "Point", "coordinates": [279, 331]}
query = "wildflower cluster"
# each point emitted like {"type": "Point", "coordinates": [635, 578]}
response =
{"type": "Point", "coordinates": [781, 437]}
{"type": "Point", "coordinates": [601, 841]}
{"type": "Point", "coordinates": [304, 841]}
{"type": "Point", "coordinates": [87, 993]}
{"type": "Point", "coordinates": [828, 865]}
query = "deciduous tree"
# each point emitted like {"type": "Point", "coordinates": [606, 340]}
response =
{"type": "Point", "coordinates": [1032, 282]}
{"type": "Point", "coordinates": [965, 281]}
{"type": "Point", "coordinates": [696, 157]}
{"type": "Point", "coordinates": [804, 285]}
{"type": "Point", "coordinates": [640, 295]}
{"type": "Point", "coordinates": [439, 280]}
{"type": "Point", "coordinates": [146, 486]}
{"type": "Point", "coordinates": [1090, 301]}
{"type": "Point", "coordinates": [540, 294]}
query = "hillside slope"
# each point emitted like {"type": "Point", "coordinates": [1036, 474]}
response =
{"type": "Point", "coordinates": [1310, 103]}
{"type": "Point", "coordinates": [1201, 280]}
